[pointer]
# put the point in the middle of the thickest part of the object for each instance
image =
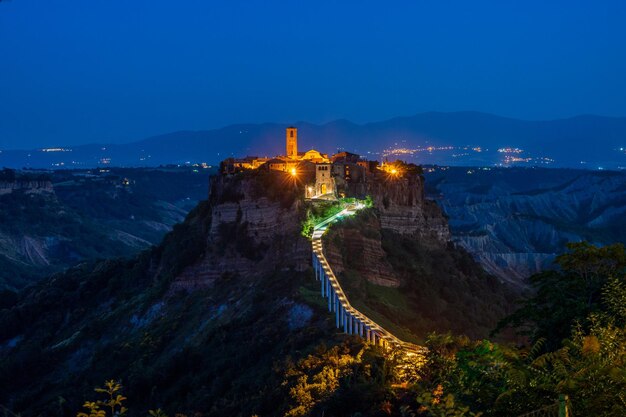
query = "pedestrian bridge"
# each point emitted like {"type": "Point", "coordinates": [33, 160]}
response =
{"type": "Point", "coordinates": [346, 316]}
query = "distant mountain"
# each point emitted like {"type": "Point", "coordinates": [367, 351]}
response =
{"type": "Point", "coordinates": [460, 138]}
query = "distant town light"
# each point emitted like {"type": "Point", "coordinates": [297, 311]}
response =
{"type": "Point", "coordinates": [293, 172]}
{"type": "Point", "coordinates": [394, 171]}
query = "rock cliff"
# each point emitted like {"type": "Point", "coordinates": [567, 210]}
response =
{"type": "Point", "coordinates": [401, 207]}
{"type": "Point", "coordinates": [404, 208]}
{"type": "Point", "coordinates": [29, 186]}
{"type": "Point", "coordinates": [254, 230]}
{"type": "Point", "coordinates": [396, 263]}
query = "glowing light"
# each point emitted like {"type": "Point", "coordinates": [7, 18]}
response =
{"type": "Point", "coordinates": [394, 171]}
{"type": "Point", "coordinates": [293, 172]}
{"type": "Point", "coordinates": [310, 189]}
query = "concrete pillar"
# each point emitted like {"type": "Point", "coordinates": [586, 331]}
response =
{"type": "Point", "coordinates": [317, 268]}
{"type": "Point", "coordinates": [323, 282]}
{"type": "Point", "coordinates": [337, 312]}
{"type": "Point", "coordinates": [330, 300]}
{"type": "Point", "coordinates": [368, 335]}
{"type": "Point", "coordinates": [340, 315]}
{"type": "Point", "coordinates": [345, 321]}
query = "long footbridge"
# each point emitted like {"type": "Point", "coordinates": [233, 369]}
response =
{"type": "Point", "coordinates": [346, 316]}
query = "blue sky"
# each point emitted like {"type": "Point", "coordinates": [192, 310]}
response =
{"type": "Point", "coordinates": [76, 71]}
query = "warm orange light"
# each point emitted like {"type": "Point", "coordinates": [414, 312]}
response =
{"type": "Point", "coordinates": [293, 172]}
{"type": "Point", "coordinates": [394, 171]}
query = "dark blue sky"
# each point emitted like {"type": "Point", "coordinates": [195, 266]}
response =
{"type": "Point", "coordinates": [76, 71]}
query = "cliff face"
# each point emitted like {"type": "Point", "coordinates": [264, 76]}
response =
{"type": "Point", "coordinates": [29, 186]}
{"type": "Point", "coordinates": [250, 233]}
{"type": "Point", "coordinates": [396, 263]}
{"type": "Point", "coordinates": [404, 209]}
{"type": "Point", "coordinates": [401, 207]}
{"type": "Point", "coordinates": [363, 252]}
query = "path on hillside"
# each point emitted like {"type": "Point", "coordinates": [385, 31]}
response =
{"type": "Point", "coordinates": [346, 316]}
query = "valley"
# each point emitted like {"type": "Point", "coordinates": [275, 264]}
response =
{"type": "Point", "coordinates": [55, 219]}
{"type": "Point", "coordinates": [515, 221]}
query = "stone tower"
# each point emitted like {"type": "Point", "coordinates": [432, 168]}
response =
{"type": "Point", "coordinates": [292, 142]}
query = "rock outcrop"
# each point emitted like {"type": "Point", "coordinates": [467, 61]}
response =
{"type": "Point", "coordinates": [29, 186]}
{"type": "Point", "coordinates": [401, 207]}
{"type": "Point", "coordinates": [364, 253]}
{"type": "Point", "coordinates": [404, 208]}
{"type": "Point", "coordinates": [250, 234]}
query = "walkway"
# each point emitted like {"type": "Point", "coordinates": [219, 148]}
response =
{"type": "Point", "coordinates": [346, 316]}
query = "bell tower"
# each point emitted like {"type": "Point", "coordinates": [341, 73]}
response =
{"type": "Point", "coordinates": [292, 142]}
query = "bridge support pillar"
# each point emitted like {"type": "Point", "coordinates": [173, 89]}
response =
{"type": "Point", "coordinates": [330, 299]}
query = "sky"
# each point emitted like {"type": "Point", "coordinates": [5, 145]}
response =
{"type": "Point", "coordinates": [114, 71]}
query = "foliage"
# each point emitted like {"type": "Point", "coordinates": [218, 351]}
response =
{"type": "Point", "coordinates": [435, 404]}
{"type": "Point", "coordinates": [316, 213]}
{"type": "Point", "coordinates": [342, 380]}
{"type": "Point", "coordinates": [114, 403]}
{"type": "Point", "coordinates": [589, 365]}
{"type": "Point", "coordinates": [569, 294]}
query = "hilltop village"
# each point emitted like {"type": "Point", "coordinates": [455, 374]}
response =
{"type": "Point", "coordinates": [333, 175]}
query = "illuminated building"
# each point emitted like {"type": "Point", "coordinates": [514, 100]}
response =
{"type": "Point", "coordinates": [329, 174]}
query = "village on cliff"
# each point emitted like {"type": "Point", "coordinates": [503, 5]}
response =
{"type": "Point", "coordinates": [331, 173]}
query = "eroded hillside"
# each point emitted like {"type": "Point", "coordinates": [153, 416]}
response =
{"type": "Point", "coordinates": [51, 221]}
{"type": "Point", "coordinates": [515, 221]}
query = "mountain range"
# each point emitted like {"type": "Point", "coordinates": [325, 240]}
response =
{"type": "Point", "coordinates": [459, 138]}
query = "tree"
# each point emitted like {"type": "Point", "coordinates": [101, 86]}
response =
{"type": "Point", "coordinates": [114, 402]}
{"type": "Point", "coordinates": [569, 294]}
